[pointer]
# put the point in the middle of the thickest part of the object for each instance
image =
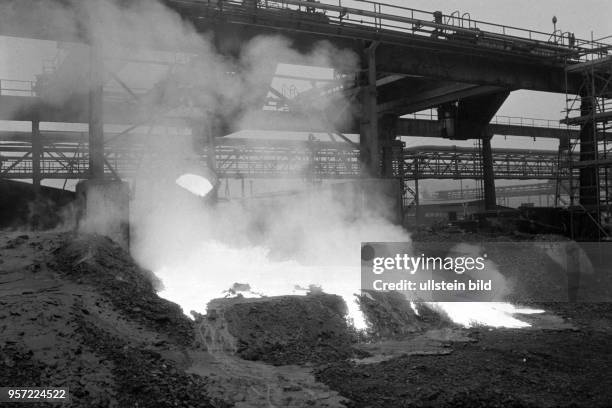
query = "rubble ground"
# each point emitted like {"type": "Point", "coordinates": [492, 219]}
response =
{"type": "Point", "coordinates": [76, 311]}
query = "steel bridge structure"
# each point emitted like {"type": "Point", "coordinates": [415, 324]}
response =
{"type": "Point", "coordinates": [408, 61]}
{"type": "Point", "coordinates": [257, 158]}
{"type": "Point", "coordinates": [546, 189]}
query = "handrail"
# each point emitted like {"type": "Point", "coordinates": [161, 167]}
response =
{"type": "Point", "coordinates": [12, 87]}
{"type": "Point", "coordinates": [523, 121]}
{"type": "Point", "coordinates": [394, 21]}
{"type": "Point", "coordinates": [421, 18]}
{"type": "Point", "coordinates": [527, 121]}
{"type": "Point", "coordinates": [500, 28]}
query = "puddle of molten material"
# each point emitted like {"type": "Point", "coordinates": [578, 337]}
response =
{"type": "Point", "coordinates": [210, 271]}
{"type": "Point", "coordinates": [492, 314]}
{"type": "Point", "coordinates": [200, 276]}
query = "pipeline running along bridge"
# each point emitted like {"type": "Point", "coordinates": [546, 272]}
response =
{"type": "Point", "coordinates": [409, 61]}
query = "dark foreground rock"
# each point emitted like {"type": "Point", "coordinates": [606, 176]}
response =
{"type": "Point", "coordinates": [284, 329]}
{"type": "Point", "coordinates": [76, 312]}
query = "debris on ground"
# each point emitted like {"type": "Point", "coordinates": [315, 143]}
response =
{"type": "Point", "coordinates": [76, 311]}
{"type": "Point", "coordinates": [281, 330]}
{"type": "Point", "coordinates": [390, 315]}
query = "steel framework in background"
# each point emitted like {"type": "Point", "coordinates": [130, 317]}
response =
{"type": "Point", "coordinates": [253, 158]}
{"type": "Point", "coordinates": [588, 158]}
{"type": "Point", "coordinates": [546, 189]}
{"type": "Point", "coordinates": [537, 57]}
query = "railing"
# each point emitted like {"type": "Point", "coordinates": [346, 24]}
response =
{"type": "Point", "coordinates": [522, 190]}
{"type": "Point", "coordinates": [444, 162]}
{"type": "Point", "coordinates": [465, 21]}
{"type": "Point", "coordinates": [15, 87]}
{"type": "Point", "coordinates": [521, 121]}
{"type": "Point", "coordinates": [527, 122]}
{"type": "Point", "coordinates": [558, 38]}
{"type": "Point", "coordinates": [390, 18]}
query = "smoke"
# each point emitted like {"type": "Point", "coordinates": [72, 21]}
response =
{"type": "Point", "coordinates": [484, 310]}
{"type": "Point", "coordinates": [228, 87]}
{"type": "Point", "coordinates": [277, 247]}
{"type": "Point", "coordinates": [201, 250]}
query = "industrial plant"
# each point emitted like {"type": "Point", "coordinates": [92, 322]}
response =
{"type": "Point", "coordinates": [300, 203]}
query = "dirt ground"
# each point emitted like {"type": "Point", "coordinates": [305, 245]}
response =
{"type": "Point", "coordinates": [76, 311]}
{"type": "Point", "coordinates": [501, 368]}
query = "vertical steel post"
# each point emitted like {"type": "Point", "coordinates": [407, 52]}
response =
{"type": "Point", "coordinates": [387, 133]}
{"type": "Point", "coordinates": [589, 189]}
{"type": "Point", "coordinates": [417, 203]}
{"type": "Point", "coordinates": [368, 140]}
{"type": "Point", "coordinates": [211, 131]}
{"type": "Point", "coordinates": [36, 155]}
{"type": "Point", "coordinates": [96, 121]}
{"type": "Point", "coordinates": [488, 178]}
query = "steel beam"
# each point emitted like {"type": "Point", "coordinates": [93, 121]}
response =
{"type": "Point", "coordinates": [433, 97]}
{"type": "Point", "coordinates": [37, 151]}
{"type": "Point", "coordinates": [368, 141]}
{"type": "Point", "coordinates": [511, 74]}
{"type": "Point", "coordinates": [96, 121]}
{"type": "Point", "coordinates": [387, 132]}
{"type": "Point", "coordinates": [589, 186]}
{"type": "Point", "coordinates": [488, 176]}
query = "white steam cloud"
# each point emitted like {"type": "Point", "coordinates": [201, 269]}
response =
{"type": "Point", "coordinates": [199, 251]}
{"type": "Point", "coordinates": [277, 248]}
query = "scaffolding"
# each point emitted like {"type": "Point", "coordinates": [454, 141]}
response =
{"type": "Point", "coordinates": [585, 161]}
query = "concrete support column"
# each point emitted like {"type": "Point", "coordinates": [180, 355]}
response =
{"type": "Point", "coordinates": [37, 151]}
{"type": "Point", "coordinates": [589, 191]}
{"type": "Point", "coordinates": [96, 122]}
{"type": "Point", "coordinates": [488, 177]}
{"type": "Point", "coordinates": [368, 140]}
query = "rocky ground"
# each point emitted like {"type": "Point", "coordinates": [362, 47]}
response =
{"type": "Point", "coordinates": [76, 311]}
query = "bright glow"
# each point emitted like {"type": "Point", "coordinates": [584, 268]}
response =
{"type": "Point", "coordinates": [199, 254]}
{"type": "Point", "coordinates": [493, 314]}
{"type": "Point", "coordinates": [195, 184]}
{"type": "Point", "coordinates": [208, 272]}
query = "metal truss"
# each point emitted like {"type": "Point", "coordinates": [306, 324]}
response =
{"type": "Point", "coordinates": [436, 162]}
{"type": "Point", "coordinates": [524, 190]}
{"type": "Point", "coordinates": [253, 158]}
{"type": "Point", "coordinates": [309, 160]}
